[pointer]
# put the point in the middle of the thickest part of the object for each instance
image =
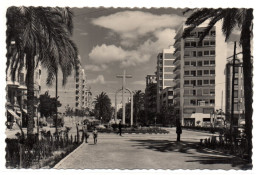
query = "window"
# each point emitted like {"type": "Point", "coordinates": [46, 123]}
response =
{"type": "Point", "coordinates": [205, 81]}
{"type": "Point", "coordinates": [212, 52]}
{"type": "Point", "coordinates": [200, 53]}
{"type": "Point", "coordinates": [193, 92]}
{"type": "Point", "coordinates": [206, 72]}
{"type": "Point", "coordinates": [235, 93]}
{"type": "Point", "coordinates": [194, 53]}
{"type": "Point", "coordinates": [236, 69]}
{"type": "Point", "coordinates": [199, 44]}
{"type": "Point", "coordinates": [186, 92]}
{"type": "Point", "coordinates": [187, 63]}
{"type": "Point", "coordinates": [193, 73]}
{"type": "Point", "coordinates": [200, 33]}
{"type": "Point", "coordinates": [212, 101]}
{"type": "Point", "coordinates": [199, 63]}
{"type": "Point", "coordinates": [212, 91]}
{"type": "Point", "coordinates": [236, 81]}
{"type": "Point", "coordinates": [193, 63]}
{"type": "Point", "coordinates": [186, 54]}
{"type": "Point", "coordinates": [193, 102]}
{"type": "Point", "coordinates": [186, 101]}
{"type": "Point", "coordinates": [187, 44]}
{"type": "Point", "coordinates": [212, 43]}
{"type": "Point", "coordinates": [206, 43]}
{"type": "Point", "coordinates": [206, 62]}
{"type": "Point", "coordinates": [212, 81]}
{"type": "Point", "coordinates": [206, 52]}
{"type": "Point", "coordinates": [212, 72]}
{"type": "Point", "coordinates": [170, 101]}
{"type": "Point", "coordinates": [199, 72]}
{"type": "Point", "coordinates": [186, 82]}
{"type": "Point", "coordinates": [205, 91]}
{"type": "Point", "coordinates": [186, 72]}
{"type": "Point", "coordinates": [193, 44]}
{"type": "Point", "coordinates": [199, 82]}
{"type": "Point", "coordinates": [193, 82]}
{"type": "Point", "coordinates": [212, 62]}
{"type": "Point", "coordinates": [213, 33]}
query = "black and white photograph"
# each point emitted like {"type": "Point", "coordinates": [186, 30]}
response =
{"type": "Point", "coordinates": [128, 88]}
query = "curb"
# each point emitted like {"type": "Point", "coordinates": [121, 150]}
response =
{"type": "Point", "coordinates": [65, 158]}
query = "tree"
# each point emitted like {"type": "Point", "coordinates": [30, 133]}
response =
{"type": "Point", "coordinates": [68, 111]}
{"type": "Point", "coordinates": [37, 34]}
{"type": "Point", "coordinates": [48, 104]}
{"type": "Point", "coordinates": [103, 107]}
{"type": "Point", "coordinates": [138, 104]}
{"type": "Point", "coordinates": [231, 18]}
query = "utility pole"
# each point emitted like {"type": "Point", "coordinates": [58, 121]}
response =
{"type": "Point", "coordinates": [124, 76]}
{"type": "Point", "coordinates": [232, 97]}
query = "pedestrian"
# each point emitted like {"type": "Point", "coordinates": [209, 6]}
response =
{"type": "Point", "coordinates": [120, 128]}
{"type": "Point", "coordinates": [178, 131]}
{"type": "Point", "coordinates": [85, 132]}
{"type": "Point", "coordinates": [95, 135]}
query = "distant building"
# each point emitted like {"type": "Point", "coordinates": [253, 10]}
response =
{"type": "Point", "coordinates": [74, 93]}
{"type": "Point", "coordinates": [239, 104]}
{"type": "Point", "coordinates": [164, 73]}
{"type": "Point", "coordinates": [16, 104]}
{"type": "Point", "coordinates": [199, 80]}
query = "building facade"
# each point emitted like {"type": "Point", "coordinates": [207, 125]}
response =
{"type": "Point", "coordinates": [164, 73]}
{"type": "Point", "coordinates": [74, 93]}
{"type": "Point", "coordinates": [239, 105]}
{"type": "Point", "coordinates": [199, 77]}
{"type": "Point", "coordinates": [16, 95]}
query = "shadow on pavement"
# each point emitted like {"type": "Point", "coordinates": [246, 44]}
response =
{"type": "Point", "coordinates": [194, 152]}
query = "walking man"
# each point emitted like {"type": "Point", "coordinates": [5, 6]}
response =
{"type": "Point", "coordinates": [120, 128]}
{"type": "Point", "coordinates": [95, 134]}
{"type": "Point", "coordinates": [85, 132]}
{"type": "Point", "coordinates": [178, 131]}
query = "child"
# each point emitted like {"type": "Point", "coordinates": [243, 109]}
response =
{"type": "Point", "coordinates": [95, 134]}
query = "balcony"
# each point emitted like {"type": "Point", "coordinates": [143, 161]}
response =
{"type": "Point", "coordinates": [177, 68]}
{"type": "Point", "coordinates": [177, 60]}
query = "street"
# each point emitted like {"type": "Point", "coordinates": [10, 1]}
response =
{"type": "Point", "coordinates": [149, 151]}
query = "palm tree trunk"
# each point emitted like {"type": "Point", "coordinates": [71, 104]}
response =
{"type": "Point", "coordinates": [56, 105]}
{"type": "Point", "coordinates": [248, 88]}
{"type": "Point", "coordinates": [30, 94]}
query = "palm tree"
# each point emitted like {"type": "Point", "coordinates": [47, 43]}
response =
{"type": "Point", "coordinates": [40, 35]}
{"type": "Point", "coordinates": [103, 107]}
{"type": "Point", "coordinates": [231, 18]}
{"type": "Point", "coordinates": [138, 103]}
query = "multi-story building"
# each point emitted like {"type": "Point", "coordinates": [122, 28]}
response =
{"type": "Point", "coordinates": [164, 73]}
{"type": "Point", "coordinates": [74, 93]}
{"type": "Point", "coordinates": [199, 74]}
{"type": "Point", "coordinates": [239, 106]}
{"type": "Point", "coordinates": [16, 104]}
{"type": "Point", "coordinates": [150, 96]}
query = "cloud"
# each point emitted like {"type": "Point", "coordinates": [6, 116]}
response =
{"type": "Point", "coordinates": [99, 80]}
{"type": "Point", "coordinates": [96, 68]}
{"type": "Point", "coordinates": [131, 25]}
{"type": "Point", "coordinates": [111, 53]}
{"type": "Point", "coordinates": [140, 82]}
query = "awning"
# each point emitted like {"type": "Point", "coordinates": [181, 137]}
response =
{"type": "Point", "coordinates": [13, 114]}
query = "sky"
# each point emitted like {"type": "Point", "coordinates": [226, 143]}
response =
{"type": "Point", "coordinates": [111, 40]}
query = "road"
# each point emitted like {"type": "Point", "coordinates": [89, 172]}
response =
{"type": "Point", "coordinates": [149, 151]}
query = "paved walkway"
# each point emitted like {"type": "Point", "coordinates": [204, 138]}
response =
{"type": "Point", "coordinates": [149, 151]}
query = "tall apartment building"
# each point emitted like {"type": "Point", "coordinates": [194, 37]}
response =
{"type": "Point", "coordinates": [199, 74]}
{"type": "Point", "coordinates": [164, 74]}
{"type": "Point", "coordinates": [74, 94]}
{"type": "Point", "coordinates": [239, 105]}
{"type": "Point", "coordinates": [16, 95]}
